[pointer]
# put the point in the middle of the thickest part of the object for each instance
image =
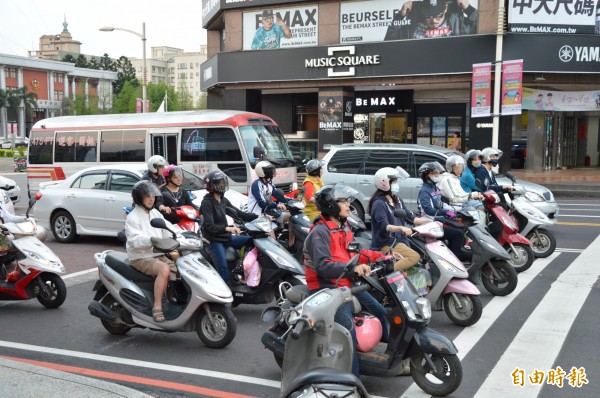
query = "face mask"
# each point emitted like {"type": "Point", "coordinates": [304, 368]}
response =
{"type": "Point", "coordinates": [476, 164]}
{"type": "Point", "coordinates": [494, 162]}
{"type": "Point", "coordinates": [395, 188]}
{"type": "Point", "coordinates": [435, 179]}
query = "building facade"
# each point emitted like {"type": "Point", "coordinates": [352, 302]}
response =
{"type": "Point", "coordinates": [53, 82]}
{"type": "Point", "coordinates": [395, 71]}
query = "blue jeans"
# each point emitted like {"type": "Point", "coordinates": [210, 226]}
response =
{"type": "Point", "coordinates": [217, 253]}
{"type": "Point", "coordinates": [345, 317]}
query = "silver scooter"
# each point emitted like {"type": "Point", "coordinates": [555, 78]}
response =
{"type": "Point", "coordinates": [124, 296]}
{"type": "Point", "coordinates": [531, 221]}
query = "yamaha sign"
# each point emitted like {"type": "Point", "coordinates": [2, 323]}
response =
{"type": "Point", "coordinates": [341, 61]}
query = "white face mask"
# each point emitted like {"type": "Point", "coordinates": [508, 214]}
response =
{"type": "Point", "coordinates": [395, 188]}
{"type": "Point", "coordinates": [476, 164]}
{"type": "Point", "coordinates": [435, 179]}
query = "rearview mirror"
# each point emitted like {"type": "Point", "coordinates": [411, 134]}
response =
{"type": "Point", "coordinates": [511, 176]}
{"type": "Point", "coordinates": [353, 247]}
{"type": "Point", "coordinates": [257, 152]}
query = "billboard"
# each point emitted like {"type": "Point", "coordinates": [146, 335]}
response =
{"type": "Point", "coordinates": [512, 87]}
{"type": "Point", "coordinates": [566, 101]}
{"type": "Point", "coordinates": [381, 20]}
{"type": "Point", "coordinates": [481, 89]}
{"type": "Point", "coordinates": [559, 17]}
{"type": "Point", "coordinates": [279, 28]}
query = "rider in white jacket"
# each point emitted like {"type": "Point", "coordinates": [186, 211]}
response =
{"type": "Point", "coordinates": [451, 188]}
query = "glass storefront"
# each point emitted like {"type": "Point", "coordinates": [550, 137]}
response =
{"type": "Point", "coordinates": [381, 127]}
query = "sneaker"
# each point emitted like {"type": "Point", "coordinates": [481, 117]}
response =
{"type": "Point", "coordinates": [405, 369]}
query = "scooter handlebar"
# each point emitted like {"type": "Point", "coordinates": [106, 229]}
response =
{"type": "Point", "coordinates": [300, 325]}
{"type": "Point", "coordinates": [359, 289]}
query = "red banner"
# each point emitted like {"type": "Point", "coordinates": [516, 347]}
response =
{"type": "Point", "coordinates": [512, 87]}
{"type": "Point", "coordinates": [481, 90]}
{"type": "Point", "coordinates": [138, 105]}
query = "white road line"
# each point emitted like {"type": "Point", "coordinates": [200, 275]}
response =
{"type": "Point", "coordinates": [563, 250]}
{"type": "Point", "coordinates": [562, 215]}
{"type": "Point", "coordinates": [142, 364]}
{"type": "Point", "coordinates": [541, 338]}
{"type": "Point", "coordinates": [74, 274]}
{"type": "Point", "coordinates": [467, 339]}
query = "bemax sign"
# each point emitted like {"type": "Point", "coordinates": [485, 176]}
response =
{"type": "Point", "coordinates": [343, 58]}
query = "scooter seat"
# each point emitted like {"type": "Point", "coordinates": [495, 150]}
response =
{"type": "Point", "coordinates": [324, 375]}
{"type": "Point", "coordinates": [119, 262]}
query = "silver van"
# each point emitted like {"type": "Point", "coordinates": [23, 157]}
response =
{"type": "Point", "coordinates": [355, 165]}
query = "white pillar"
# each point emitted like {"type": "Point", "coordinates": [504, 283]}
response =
{"type": "Point", "coordinates": [51, 94]}
{"type": "Point", "coordinates": [86, 89]}
{"type": "Point", "coordinates": [21, 111]}
{"type": "Point", "coordinates": [3, 112]}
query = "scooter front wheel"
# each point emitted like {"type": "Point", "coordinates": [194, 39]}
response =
{"type": "Point", "coordinates": [543, 242]}
{"type": "Point", "coordinates": [499, 277]}
{"type": "Point", "coordinates": [52, 292]}
{"type": "Point", "coordinates": [521, 257]}
{"type": "Point", "coordinates": [442, 378]}
{"type": "Point", "coordinates": [463, 309]}
{"type": "Point", "coordinates": [222, 332]}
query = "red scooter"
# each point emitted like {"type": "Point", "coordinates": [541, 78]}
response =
{"type": "Point", "coordinates": [503, 228]}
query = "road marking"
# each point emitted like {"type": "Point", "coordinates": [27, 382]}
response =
{"type": "Point", "coordinates": [579, 224]}
{"type": "Point", "coordinates": [130, 379]}
{"type": "Point", "coordinates": [142, 364]}
{"type": "Point", "coordinates": [471, 335]}
{"type": "Point", "coordinates": [74, 274]}
{"type": "Point", "coordinates": [564, 250]}
{"type": "Point", "coordinates": [541, 338]}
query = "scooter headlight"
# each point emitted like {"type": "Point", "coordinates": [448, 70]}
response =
{"type": "Point", "coordinates": [534, 197]}
{"type": "Point", "coordinates": [33, 255]}
{"type": "Point", "coordinates": [191, 272]}
{"type": "Point", "coordinates": [409, 311]}
{"type": "Point", "coordinates": [264, 225]}
{"type": "Point", "coordinates": [280, 260]}
{"type": "Point", "coordinates": [189, 213]}
{"type": "Point", "coordinates": [424, 307]}
{"type": "Point", "coordinates": [447, 265]}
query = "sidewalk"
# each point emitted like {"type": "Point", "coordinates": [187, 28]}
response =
{"type": "Point", "coordinates": [579, 182]}
{"type": "Point", "coordinates": [20, 379]}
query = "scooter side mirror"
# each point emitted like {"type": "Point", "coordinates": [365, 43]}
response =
{"type": "Point", "coordinates": [354, 247]}
{"type": "Point", "coordinates": [271, 314]}
{"type": "Point", "coordinates": [278, 192]}
{"type": "Point", "coordinates": [511, 177]}
{"type": "Point", "coordinates": [160, 223]}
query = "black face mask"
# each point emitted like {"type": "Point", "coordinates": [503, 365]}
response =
{"type": "Point", "coordinates": [494, 162]}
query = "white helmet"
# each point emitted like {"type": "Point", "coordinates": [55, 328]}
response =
{"type": "Point", "coordinates": [156, 161]}
{"type": "Point", "coordinates": [487, 153]}
{"type": "Point", "coordinates": [454, 160]}
{"type": "Point", "coordinates": [385, 175]}
{"type": "Point", "coordinates": [264, 169]}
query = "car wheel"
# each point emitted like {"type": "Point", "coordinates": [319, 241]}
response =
{"type": "Point", "coordinates": [63, 227]}
{"type": "Point", "coordinates": [357, 209]}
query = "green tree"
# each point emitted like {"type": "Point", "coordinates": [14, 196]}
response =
{"type": "Point", "coordinates": [12, 98]}
{"type": "Point", "coordinates": [186, 101]}
{"type": "Point", "coordinates": [106, 63]}
{"type": "Point", "coordinates": [81, 61]}
{"type": "Point", "coordinates": [156, 94]}
{"type": "Point", "coordinates": [125, 101]}
{"type": "Point", "coordinates": [93, 64]}
{"type": "Point", "coordinates": [125, 73]}
{"type": "Point", "coordinates": [69, 58]}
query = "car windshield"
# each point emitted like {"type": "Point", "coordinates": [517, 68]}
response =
{"type": "Point", "coordinates": [268, 141]}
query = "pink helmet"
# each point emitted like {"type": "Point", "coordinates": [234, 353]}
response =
{"type": "Point", "coordinates": [368, 332]}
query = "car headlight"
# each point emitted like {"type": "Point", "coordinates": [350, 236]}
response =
{"type": "Point", "coordinates": [534, 197]}
{"type": "Point", "coordinates": [424, 307]}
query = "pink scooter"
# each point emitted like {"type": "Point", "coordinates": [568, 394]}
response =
{"type": "Point", "coordinates": [450, 288]}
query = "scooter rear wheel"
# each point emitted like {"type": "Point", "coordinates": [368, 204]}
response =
{"type": "Point", "coordinates": [503, 281]}
{"type": "Point", "coordinates": [55, 291]}
{"type": "Point", "coordinates": [225, 330]}
{"type": "Point", "coordinates": [114, 306]}
{"type": "Point", "coordinates": [442, 380]}
{"type": "Point", "coordinates": [543, 242]}
{"type": "Point", "coordinates": [466, 311]}
{"type": "Point", "coordinates": [522, 257]}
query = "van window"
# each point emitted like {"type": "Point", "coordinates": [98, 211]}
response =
{"type": "Point", "coordinates": [76, 146]}
{"type": "Point", "coordinates": [346, 161]}
{"type": "Point", "coordinates": [40, 147]}
{"type": "Point", "coordinates": [385, 158]}
{"type": "Point", "coordinates": [421, 158]}
{"type": "Point", "coordinates": [123, 146]}
{"type": "Point", "coordinates": [212, 144]}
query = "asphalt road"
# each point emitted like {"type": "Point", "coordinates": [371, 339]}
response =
{"type": "Point", "coordinates": [550, 321]}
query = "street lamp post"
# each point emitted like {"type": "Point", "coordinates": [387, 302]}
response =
{"type": "Point", "coordinates": [143, 37]}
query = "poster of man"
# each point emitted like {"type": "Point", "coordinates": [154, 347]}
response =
{"type": "Point", "coordinates": [280, 28]}
{"type": "Point", "coordinates": [330, 110]}
{"type": "Point", "coordinates": [401, 20]}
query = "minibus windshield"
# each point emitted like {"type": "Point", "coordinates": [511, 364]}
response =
{"type": "Point", "coordinates": [266, 143]}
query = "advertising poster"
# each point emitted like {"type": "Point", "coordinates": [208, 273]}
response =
{"type": "Point", "coordinates": [559, 17]}
{"type": "Point", "coordinates": [279, 28]}
{"type": "Point", "coordinates": [512, 87]}
{"type": "Point", "coordinates": [543, 100]}
{"type": "Point", "coordinates": [481, 90]}
{"type": "Point", "coordinates": [438, 131]}
{"type": "Point", "coordinates": [382, 20]}
{"type": "Point", "coordinates": [331, 117]}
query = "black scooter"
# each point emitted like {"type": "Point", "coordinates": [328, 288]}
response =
{"type": "Point", "coordinates": [434, 364]}
{"type": "Point", "coordinates": [276, 263]}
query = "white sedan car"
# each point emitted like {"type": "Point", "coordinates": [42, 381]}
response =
{"type": "Point", "coordinates": [11, 188]}
{"type": "Point", "coordinates": [91, 201]}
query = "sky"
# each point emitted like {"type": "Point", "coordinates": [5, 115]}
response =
{"type": "Point", "coordinates": [175, 23]}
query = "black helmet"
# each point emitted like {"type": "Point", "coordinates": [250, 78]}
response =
{"type": "Point", "coordinates": [327, 197]}
{"type": "Point", "coordinates": [330, 103]}
{"type": "Point", "coordinates": [313, 167]}
{"type": "Point", "coordinates": [216, 181]}
{"type": "Point", "coordinates": [428, 167]}
{"type": "Point", "coordinates": [141, 189]}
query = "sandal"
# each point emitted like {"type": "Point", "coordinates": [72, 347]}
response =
{"type": "Point", "coordinates": [158, 315]}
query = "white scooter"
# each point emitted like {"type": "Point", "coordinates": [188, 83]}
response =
{"type": "Point", "coordinates": [531, 221]}
{"type": "Point", "coordinates": [124, 296]}
{"type": "Point", "coordinates": [38, 269]}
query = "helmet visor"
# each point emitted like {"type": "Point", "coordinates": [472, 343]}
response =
{"type": "Point", "coordinates": [401, 174]}
{"type": "Point", "coordinates": [343, 193]}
